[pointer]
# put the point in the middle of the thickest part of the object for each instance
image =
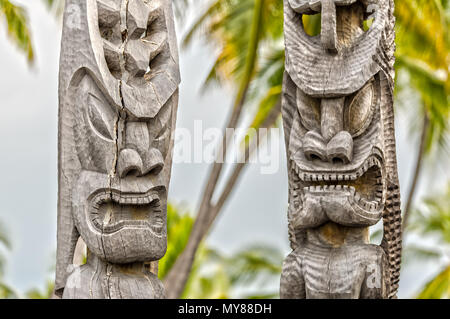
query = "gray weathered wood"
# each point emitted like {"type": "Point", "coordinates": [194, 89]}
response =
{"type": "Point", "coordinates": [118, 97]}
{"type": "Point", "coordinates": [339, 128]}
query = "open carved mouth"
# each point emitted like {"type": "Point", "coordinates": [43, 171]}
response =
{"type": "Point", "coordinates": [112, 211]}
{"type": "Point", "coordinates": [364, 184]}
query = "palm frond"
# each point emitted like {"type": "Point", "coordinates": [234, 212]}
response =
{"type": "Point", "coordinates": [7, 292]}
{"type": "Point", "coordinates": [438, 287]}
{"type": "Point", "coordinates": [18, 28]}
{"type": "Point", "coordinates": [433, 217]}
{"type": "Point", "coordinates": [179, 225]}
{"type": "Point", "coordinates": [4, 237]}
{"type": "Point", "coordinates": [39, 294]}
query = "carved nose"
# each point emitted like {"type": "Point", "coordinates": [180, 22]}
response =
{"type": "Point", "coordinates": [338, 150]}
{"type": "Point", "coordinates": [153, 162]}
{"type": "Point", "coordinates": [314, 146]}
{"type": "Point", "coordinates": [130, 163]}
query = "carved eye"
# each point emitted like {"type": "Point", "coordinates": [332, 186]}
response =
{"type": "Point", "coordinates": [100, 119]}
{"type": "Point", "coordinates": [309, 109]}
{"type": "Point", "coordinates": [359, 113]}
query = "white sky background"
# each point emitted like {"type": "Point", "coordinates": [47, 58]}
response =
{"type": "Point", "coordinates": [256, 212]}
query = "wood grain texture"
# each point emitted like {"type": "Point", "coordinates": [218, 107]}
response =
{"type": "Point", "coordinates": [338, 120]}
{"type": "Point", "coordinates": [118, 97]}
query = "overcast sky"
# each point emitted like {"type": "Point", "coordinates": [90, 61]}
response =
{"type": "Point", "coordinates": [256, 212]}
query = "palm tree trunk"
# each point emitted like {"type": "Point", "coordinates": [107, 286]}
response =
{"type": "Point", "coordinates": [177, 277]}
{"type": "Point", "coordinates": [417, 169]}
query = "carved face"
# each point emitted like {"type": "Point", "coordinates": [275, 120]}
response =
{"type": "Point", "coordinates": [119, 80]}
{"type": "Point", "coordinates": [333, 96]}
{"type": "Point", "coordinates": [336, 158]}
{"type": "Point", "coordinates": [121, 191]}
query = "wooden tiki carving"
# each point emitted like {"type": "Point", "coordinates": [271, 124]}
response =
{"type": "Point", "coordinates": [339, 127]}
{"type": "Point", "coordinates": [118, 96]}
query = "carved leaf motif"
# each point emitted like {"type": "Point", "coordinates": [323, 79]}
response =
{"type": "Point", "coordinates": [360, 111]}
{"type": "Point", "coordinates": [99, 121]}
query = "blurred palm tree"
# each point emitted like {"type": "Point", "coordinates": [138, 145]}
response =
{"type": "Point", "coordinates": [248, 37]}
{"type": "Point", "coordinates": [5, 290]}
{"type": "Point", "coordinates": [214, 275]}
{"type": "Point", "coordinates": [432, 219]}
{"type": "Point", "coordinates": [17, 27]}
{"type": "Point", "coordinates": [423, 46]}
{"type": "Point", "coordinates": [47, 293]}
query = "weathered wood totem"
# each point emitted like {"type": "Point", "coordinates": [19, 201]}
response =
{"type": "Point", "coordinates": [339, 126]}
{"type": "Point", "coordinates": [118, 95]}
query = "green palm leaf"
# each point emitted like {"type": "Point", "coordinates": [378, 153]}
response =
{"type": "Point", "coordinates": [438, 287]}
{"type": "Point", "coordinates": [7, 292]}
{"type": "Point", "coordinates": [433, 218]}
{"type": "Point", "coordinates": [17, 25]}
{"type": "Point", "coordinates": [179, 225]}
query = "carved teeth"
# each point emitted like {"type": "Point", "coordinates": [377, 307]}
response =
{"type": "Point", "coordinates": [122, 199]}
